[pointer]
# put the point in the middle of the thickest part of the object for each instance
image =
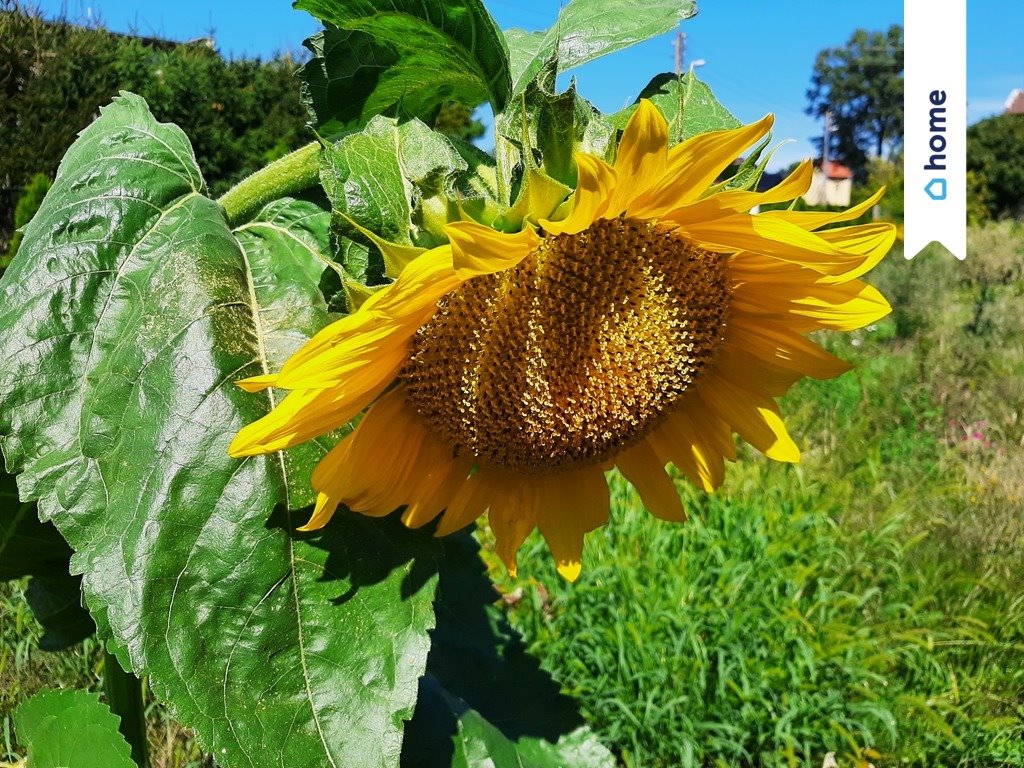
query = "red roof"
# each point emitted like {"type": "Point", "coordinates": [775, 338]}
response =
{"type": "Point", "coordinates": [1015, 104]}
{"type": "Point", "coordinates": [837, 171]}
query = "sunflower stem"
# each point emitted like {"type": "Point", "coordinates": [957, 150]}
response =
{"type": "Point", "coordinates": [293, 173]}
{"type": "Point", "coordinates": [124, 697]}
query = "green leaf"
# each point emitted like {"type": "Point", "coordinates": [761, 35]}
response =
{"type": "Point", "coordinates": [525, 60]}
{"type": "Point", "coordinates": [278, 648]}
{"type": "Point", "coordinates": [28, 547]}
{"type": "Point", "coordinates": [485, 701]}
{"type": "Point", "coordinates": [556, 125]}
{"type": "Point", "coordinates": [402, 57]}
{"type": "Point", "coordinates": [378, 179]}
{"type": "Point", "coordinates": [588, 29]}
{"type": "Point", "coordinates": [71, 729]}
{"type": "Point", "coordinates": [687, 103]}
{"type": "Point", "coordinates": [753, 167]}
{"type": "Point", "coordinates": [567, 123]}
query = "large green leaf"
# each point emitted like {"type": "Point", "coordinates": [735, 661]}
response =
{"type": "Point", "coordinates": [485, 702]}
{"type": "Point", "coordinates": [588, 29]}
{"type": "Point", "coordinates": [70, 729]}
{"type": "Point", "coordinates": [401, 57]}
{"type": "Point", "coordinates": [127, 315]}
{"type": "Point", "coordinates": [30, 547]}
{"type": "Point", "coordinates": [687, 103]}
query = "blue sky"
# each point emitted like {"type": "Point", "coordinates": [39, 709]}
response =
{"type": "Point", "coordinates": [758, 55]}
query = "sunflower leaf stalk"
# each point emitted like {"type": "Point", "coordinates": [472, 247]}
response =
{"type": "Point", "coordinates": [290, 175]}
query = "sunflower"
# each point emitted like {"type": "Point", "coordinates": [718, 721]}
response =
{"type": "Point", "coordinates": [506, 373]}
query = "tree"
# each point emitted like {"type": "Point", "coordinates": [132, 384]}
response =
{"type": "Point", "coordinates": [28, 203]}
{"type": "Point", "coordinates": [994, 150]}
{"type": "Point", "coordinates": [861, 86]}
{"type": "Point", "coordinates": [456, 120]}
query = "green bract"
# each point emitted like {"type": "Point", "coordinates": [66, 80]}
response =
{"type": "Point", "coordinates": [136, 301]}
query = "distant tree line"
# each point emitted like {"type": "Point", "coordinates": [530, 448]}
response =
{"type": "Point", "coordinates": [55, 75]}
{"type": "Point", "coordinates": [995, 165]}
{"type": "Point", "coordinates": [860, 87]}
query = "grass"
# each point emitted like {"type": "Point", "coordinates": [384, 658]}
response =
{"type": "Point", "coordinates": [868, 602]}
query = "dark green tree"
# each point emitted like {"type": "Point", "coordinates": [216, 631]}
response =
{"type": "Point", "coordinates": [456, 120]}
{"type": "Point", "coordinates": [55, 75]}
{"type": "Point", "coordinates": [861, 86]}
{"type": "Point", "coordinates": [994, 150]}
{"type": "Point", "coordinates": [29, 202]}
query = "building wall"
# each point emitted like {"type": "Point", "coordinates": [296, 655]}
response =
{"type": "Point", "coordinates": [826, 191]}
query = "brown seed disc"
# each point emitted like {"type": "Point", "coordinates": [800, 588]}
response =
{"type": "Point", "coordinates": [573, 354]}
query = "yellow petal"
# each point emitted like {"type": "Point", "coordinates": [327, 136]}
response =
{"type": "Point", "coordinates": [480, 250]}
{"type": "Point", "coordinates": [391, 459]}
{"type": "Point", "coordinates": [327, 502]}
{"type": "Point", "coordinates": [856, 250]}
{"type": "Point", "coordinates": [740, 201]}
{"type": "Point", "coordinates": [754, 416]}
{"type": "Point", "coordinates": [301, 416]}
{"type": "Point", "coordinates": [736, 363]}
{"type": "Point", "coordinates": [642, 467]}
{"type": "Point", "coordinates": [816, 219]}
{"type": "Point", "coordinates": [512, 515]}
{"type": "Point", "coordinates": [696, 442]}
{"type": "Point", "coordinates": [376, 335]}
{"type": "Point", "coordinates": [571, 505]}
{"type": "Point", "coordinates": [372, 356]}
{"type": "Point", "coordinates": [694, 165]}
{"type": "Point", "coordinates": [468, 503]}
{"type": "Point", "coordinates": [776, 343]}
{"type": "Point", "coordinates": [257, 383]}
{"type": "Point", "coordinates": [770, 237]}
{"type": "Point", "coordinates": [864, 246]}
{"type": "Point", "coordinates": [436, 492]}
{"type": "Point", "coordinates": [595, 182]}
{"type": "Point", "coordinates": [412, 298]}
{"type": "Point", "coordinates": [641, 157]}
{"type": "Point", "coordinates": [322, 513]}
{"type": "Point", "coordinates": [809, 305]}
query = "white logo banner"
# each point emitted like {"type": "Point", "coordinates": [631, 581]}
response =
{"type": "Point", "coordinates": [935, 120]}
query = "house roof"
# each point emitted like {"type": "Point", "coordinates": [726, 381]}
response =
{"type": "Point", "coordinates": [835, 170]}
{"type": "Point", "coordinates": [1015, 103]}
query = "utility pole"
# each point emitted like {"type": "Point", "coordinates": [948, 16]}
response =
{"type": "Point", "coordinates": [680, 44]}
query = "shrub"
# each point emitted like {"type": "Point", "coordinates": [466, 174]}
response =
{"type": "Point", "coordinates": [28, 203]}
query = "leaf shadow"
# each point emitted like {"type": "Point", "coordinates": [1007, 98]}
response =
{"type": "Point", "coordinates": [479, 662]}
{"type": "Point", "coordinates": [477, 666]}
{"type": "Point", "coordinates": [364, 551]}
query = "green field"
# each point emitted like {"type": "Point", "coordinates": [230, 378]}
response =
{"type": "Point", "coordinates": [867, 602]}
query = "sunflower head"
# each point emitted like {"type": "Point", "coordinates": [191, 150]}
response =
{"type": "Point", "coordinates": [506, 373]}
